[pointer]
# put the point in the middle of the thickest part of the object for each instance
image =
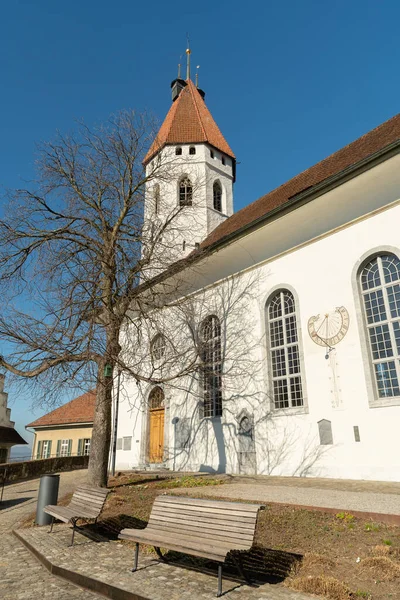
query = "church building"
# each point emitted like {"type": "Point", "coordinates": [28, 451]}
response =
{"type": "Point", "coordinates": [283, 334]}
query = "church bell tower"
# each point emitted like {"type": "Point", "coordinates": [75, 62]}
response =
{"type": "Point", "coordinates": [191, 171]}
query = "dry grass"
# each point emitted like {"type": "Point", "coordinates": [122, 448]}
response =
{"type": "Point", "coordinates": [328, 587]}
{"type": "Point", "coordinates": [312, 560]}
{"type": "Point", "coordinates": [381, 567]}
{"type": "Point", "coordinates": [381, 550]}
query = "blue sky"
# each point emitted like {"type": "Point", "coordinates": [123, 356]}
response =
{"type": "Point", "coordinates": [288, 83]}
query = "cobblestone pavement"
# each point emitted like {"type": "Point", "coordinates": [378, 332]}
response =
{"type": "Point", "coordinates": [111, 562]}
{"type": "Point", "coordinates": [315, 493]}
{"type": "Point", "coordinates": [21, 575]}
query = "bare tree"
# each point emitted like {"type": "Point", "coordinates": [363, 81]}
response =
{"type": "Point", "coordinates": [73, 251]}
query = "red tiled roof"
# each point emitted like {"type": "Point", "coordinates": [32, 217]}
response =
{"type": "Point", "coordinates": [79, 410]}
{"type": "Point", "coordinates": [368, 144]}
{"type": "Point", "coordinates": [188, 122]}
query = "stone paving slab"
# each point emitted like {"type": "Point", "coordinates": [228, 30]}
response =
{"type": "Point", "coordinates": [105, 566]}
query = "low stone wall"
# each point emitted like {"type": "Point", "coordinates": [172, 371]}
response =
{"type": "Point", "coordinates": [35, 468]}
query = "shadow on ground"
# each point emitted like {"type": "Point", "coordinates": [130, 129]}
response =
{"type": "Point", "coordinates": [14, 502]}
{"type": "Point", "coordinates": [262, 565]}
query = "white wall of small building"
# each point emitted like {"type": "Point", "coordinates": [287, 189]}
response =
{"type": "Point", "coordinates": [315, 251]}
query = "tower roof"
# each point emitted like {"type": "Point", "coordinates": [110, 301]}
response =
{"type": "Point", "coordinates": [188, 122]}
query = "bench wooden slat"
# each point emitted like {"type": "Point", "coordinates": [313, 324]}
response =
{"type": "Point", "coordinates": [195, 522]}
{"type": "Point", "coordinates": [88, 497]}
{"type": "Point", "coordinates": [214, 504]}
{"type": "Point", "coordinates": [84, 502]}
{"type": "Point", "coordinates": [195, 518]}
{"type": "Point", "coordinates": [205, 514]}
{"type": "Point", "coordinates": [100, 492]}
{"type": "Point", "coordinates": [193, 551]}
{"type": "Point", "coordinates": [185, 543]}
{"type": "Point", "coordinates": [201, 531]}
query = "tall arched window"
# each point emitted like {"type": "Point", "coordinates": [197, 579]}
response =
{"type": "Point", "coordinates": [185, 192]}
{"type": "Point", "coordinates": [284, 354]}
{"type": "Point", "coordinates": [380, 289]}
{"type": "Point", "coordinates": [156, 198]}
{"type": "Point", "coordinates": [217, 196]}
{"type": "Point", "coordinates": [211, 366]}
{"type": "Point", "coordinates": [158, 346]}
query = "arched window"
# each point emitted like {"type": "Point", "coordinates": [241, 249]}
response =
{"type": "Point", "coordinates": [192, 150]}
{"type": "Point", "coordinates": [211, 367]}
{"type": "Point", "coordinates": [284, 355]}
{"type": "Point", "coordinates": [185, 192]}
{"type": "Point", "coordinates": [178, 151]}
{"type": "Point", "coordinates": [158, 346]}
{"type": "Point", "coordinates": [380, 290]}
{"type": "Point", "coordinates": [156, 398]}
{"type": "Point", "coordinates": [156, 198]}
{"type": "Point", "coordinates": [217, 196]}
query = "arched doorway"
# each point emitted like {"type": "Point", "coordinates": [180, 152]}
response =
{"type": "Point", "coordinates": [156, 425]}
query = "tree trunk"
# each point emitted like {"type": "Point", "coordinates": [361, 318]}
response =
{"type": "Point", "coordinates": [101, 434]}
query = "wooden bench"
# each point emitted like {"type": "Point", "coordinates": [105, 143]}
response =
{"type": "Point", "coordinates": [205, 528]}
{"type": "Point", "coordinates": [86, 503]}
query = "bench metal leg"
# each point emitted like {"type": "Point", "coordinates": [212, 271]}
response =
{"type": "Point", "coordinates": [73, 532]}
{"type": "Point", "coordinates": [135, 564]}
{"type": "Point", "coordinates": [219, 591]}
{"type": "Point", "coordinates": [51, 526]}
{"type": "Point", "coordinates": [160, 554]}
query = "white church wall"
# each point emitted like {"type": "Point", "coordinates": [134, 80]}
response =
{"type": "Point", "coordinates": [313, 251]}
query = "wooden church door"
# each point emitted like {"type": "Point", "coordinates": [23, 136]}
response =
{"type": "Point", "coordinates": [156, 426]}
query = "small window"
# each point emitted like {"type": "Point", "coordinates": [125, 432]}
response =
{"type": "Point", "coordinates": [86, 446]}
{"type": "Point", "coordinates": [217, 195]}
{"type": "Point", "coordinates": [65, 447]}
{"type": "Point", "coordinates": [212, 153]}
{"type": "Point", "coordinates": [156, 198]}
{"type": "Point", "coordinates": [178, 151]}
{"type": "Point", "coordinates": [192, 150]}
{"type": "Point", "coordinates": [127, 443]}
{"type": "Point", "coordinates": [197, 246]}
{"type": "Point", "coordinates": [183, 245]}
{"type": "Point", "coordinates": [185, 192]}
{"type": "Point", "coordinates": [156, 398]}
{"type": "Point", "coordinates": [158, 346]}
{"type": "Point", "coordinates": [223, 160]}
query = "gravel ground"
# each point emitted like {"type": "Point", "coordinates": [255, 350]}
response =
{"type": "Point", "coordinates": [388, 503]}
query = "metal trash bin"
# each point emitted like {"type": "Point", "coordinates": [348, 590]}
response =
{"type": "Point", "coordinates": [48, 494]}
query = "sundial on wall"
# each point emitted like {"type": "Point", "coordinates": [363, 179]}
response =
{"type": "Point", "coordinates": [330, 328]}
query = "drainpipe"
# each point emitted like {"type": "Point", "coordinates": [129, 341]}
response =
{"type": "Point", "coordinates": [114, 449]}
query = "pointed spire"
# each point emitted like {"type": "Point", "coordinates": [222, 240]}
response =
{"type": "Point", "coordinates": [188, 53]}
{"type": "Point", "coordinates": [189, 121]}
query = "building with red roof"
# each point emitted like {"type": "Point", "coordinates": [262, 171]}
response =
{"type": "Point", "coordinates": [294, 304]}
{"type": "Point", "coordinates": [65, 431]}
